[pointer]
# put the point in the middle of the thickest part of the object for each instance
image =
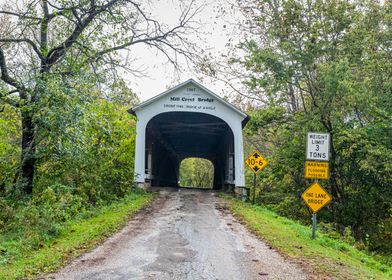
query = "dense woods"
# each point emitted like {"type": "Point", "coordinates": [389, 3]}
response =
{"type": "Point", "coordinates": [67, 142]}
{"type": "Point", "coordinates": [84, 158]}
{"type": "Point", "coordinates": [323, 66]}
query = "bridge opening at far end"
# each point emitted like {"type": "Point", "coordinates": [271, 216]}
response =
{"type": "Point", "coordinates": [196, 173]}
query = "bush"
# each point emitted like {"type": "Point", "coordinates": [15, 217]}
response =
{"type": "Point", "coordinates": [38, 219]}
{"type": "Point", "coordinates": [96, 159]}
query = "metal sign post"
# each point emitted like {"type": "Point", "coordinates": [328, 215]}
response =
{"type": "Point", "coordinates": [254, 188]}
{"type": "Point", "coordinates": [314, 220]}
{"type": "Point", "coordinates": [255, 162]}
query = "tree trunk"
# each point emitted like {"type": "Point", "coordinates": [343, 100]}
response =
{"type": "Point", "coordinates": [28, 153]}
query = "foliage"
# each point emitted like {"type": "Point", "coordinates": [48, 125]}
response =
{"type": "Point", "coordinates": [324, 66]}
{"type": "Point", "coordinates": [94, 153]}
{"type": "Point", "coordinates": [85, 152]}
{"type": "Point", "coordinates": [84, 142]}
{"type": "Point", "coordinates": [196, 172]}
{"type": "Point", "coordinates": [9, 148]}
{"type": "Point", "coordinates": [325, 255]}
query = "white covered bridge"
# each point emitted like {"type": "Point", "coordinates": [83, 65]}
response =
{"type": "Point", "coordinates": [188, 121]}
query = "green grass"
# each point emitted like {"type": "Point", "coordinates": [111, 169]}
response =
{"type": "Point", "coordinates": [76, 238]}
{"type": "Point", "coordinates": [323, 256]}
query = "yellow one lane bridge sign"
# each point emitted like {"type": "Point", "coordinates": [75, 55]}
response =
{"type": "Point", "coordinates": [316, 197]}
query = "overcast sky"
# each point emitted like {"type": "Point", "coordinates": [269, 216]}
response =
{"type": "Point", "coordinates": [159, 75]}
{"type": "Point", "coordinates": [214, 26]}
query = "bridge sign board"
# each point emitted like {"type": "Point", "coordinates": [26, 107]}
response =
{"type": "Point", "coordinates": [316, 170]}
{"type": "Point", "coordinates": [316, 197]}
{"type": "Point", "coordinates": [317, 146]}
{"type": "Point", "coordinates": [256, 162]}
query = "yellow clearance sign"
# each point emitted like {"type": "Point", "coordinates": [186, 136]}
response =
{"type": "Point", "coordinates": [316, 170]}
{"type": "Point", "coordinates": [256, 162]}
{"type": "Point", "coordinates": [316, 197]}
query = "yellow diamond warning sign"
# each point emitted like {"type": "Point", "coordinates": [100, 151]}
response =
{"type": "Point", "coordinates": [316, 170]}
{"type": "Point", "coordinates": [256, 162]}
{"type": "Point", "coordinates": [316, 197]}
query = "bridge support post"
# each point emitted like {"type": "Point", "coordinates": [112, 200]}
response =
{"type": "Point", "coordinates": [227, 187]}
{"type": "Point", "coordinates": [242, 193]}
{"type": "Point", "coordinates": [140, 185]}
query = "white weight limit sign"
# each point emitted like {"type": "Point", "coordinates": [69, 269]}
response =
{"type": "Point", "coordinates": [317, 146]}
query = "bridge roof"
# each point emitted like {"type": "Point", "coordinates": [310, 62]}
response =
{"type": "Point", "coordinates": [190, 81]}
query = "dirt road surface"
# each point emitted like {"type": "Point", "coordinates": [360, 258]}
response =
{"type": "Point", "coordinates": [185, 234]}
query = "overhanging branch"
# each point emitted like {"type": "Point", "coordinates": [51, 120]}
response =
{"type": "Point", "coordinates": [4, 73]}
{"type": "Point", "coordinates": [23, 40]}
{"type": "Point", "coordinates": [24, 16]}
{"type": "Point", "coordinates": [55, 53]}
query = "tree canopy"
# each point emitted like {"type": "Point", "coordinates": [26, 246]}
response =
{"type": "Point", "coordinates": [47, 45]}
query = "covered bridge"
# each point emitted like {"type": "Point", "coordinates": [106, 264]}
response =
{"type": "Point", "coordinates": [188, 121]}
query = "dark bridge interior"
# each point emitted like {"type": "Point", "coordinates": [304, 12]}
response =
{"type": "Point", "coordinates": [174, 136]}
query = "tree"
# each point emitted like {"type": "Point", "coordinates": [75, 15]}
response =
{"type": "Point", "coordinates": [323, 66]}
{"type": "Point", "coordinates": [47, 40]}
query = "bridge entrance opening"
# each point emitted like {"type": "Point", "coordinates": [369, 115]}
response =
{"type": "Point", "coordinates": [196, 173]}
{"type": "Point", "coordinates": [174, 136]}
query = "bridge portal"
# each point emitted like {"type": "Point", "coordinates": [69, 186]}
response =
{"type": "Point", "coordinates": [188, 121]}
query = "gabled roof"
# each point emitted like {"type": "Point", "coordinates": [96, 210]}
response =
{"type": "Point", "coordinates": [159, 96]}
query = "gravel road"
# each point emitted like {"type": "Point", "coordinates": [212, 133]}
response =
{"type": "Point", "coordinates": [185, 234]}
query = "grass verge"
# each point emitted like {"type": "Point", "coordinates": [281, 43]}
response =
{"type": "Point", "coordinates": [323, 256]}
{"type": "Point", "coordinates": [75, 239]}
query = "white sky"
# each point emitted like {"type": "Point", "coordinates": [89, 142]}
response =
{"type": "Point", "coordinates": [160, 76]}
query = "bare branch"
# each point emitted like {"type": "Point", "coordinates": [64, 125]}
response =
{"type": "Point", "coordinates": [24, 16]}
{"type": "Point", "coordinates": [44, 29]}
{"type": "Point", "coordinates": [23, 40]}
{"type": "Point", "coordinates": [4, 73]}
{"type": "Point", "coordinates": [58, 51]}
{"type": "Point", "coordinates": [144, 29]}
